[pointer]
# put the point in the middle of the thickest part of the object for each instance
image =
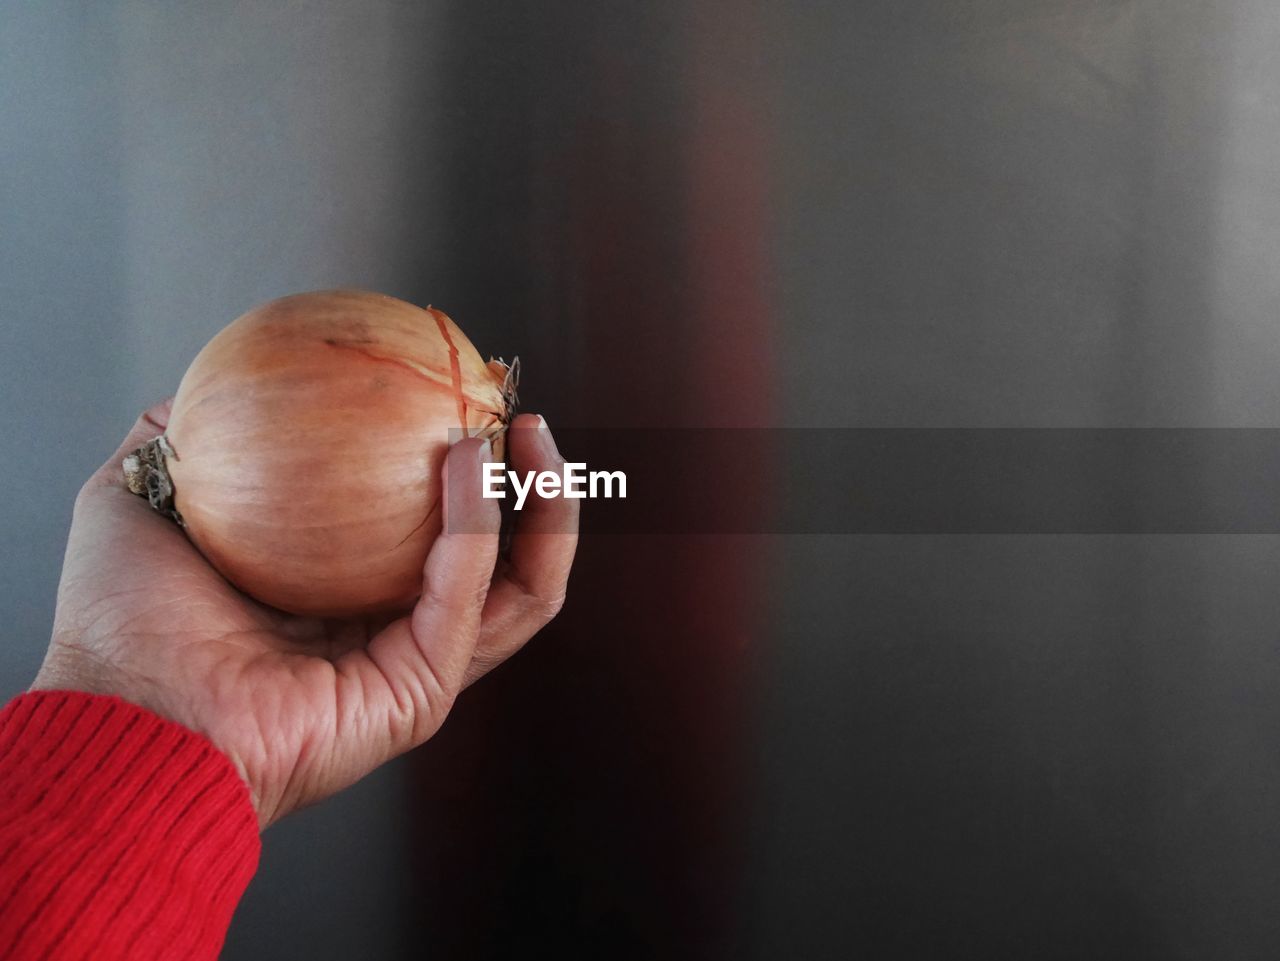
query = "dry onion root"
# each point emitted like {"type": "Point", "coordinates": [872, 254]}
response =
{"type": "Point", "coordinates": [305, 448]}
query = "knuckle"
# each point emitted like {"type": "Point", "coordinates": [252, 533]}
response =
{"type": "Point", "coordinates": [478, 596]}
{"type": "Point", "coordinates": [544, 607]}
{"type": "Point", "coordinates": [458, 602]}
{"type": "Point", "coordinates": [429, 716]}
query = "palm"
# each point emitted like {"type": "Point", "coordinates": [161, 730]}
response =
{"type": "Point", "coordinates": [303, 706]}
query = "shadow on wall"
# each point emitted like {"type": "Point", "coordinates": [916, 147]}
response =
{"type": "Point", "coordinates": [608, 191]}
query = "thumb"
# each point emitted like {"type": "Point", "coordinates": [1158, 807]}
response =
{"type": "Point", "coordinates": [420, 661]}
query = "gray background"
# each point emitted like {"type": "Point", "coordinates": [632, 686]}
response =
{"type": "Point", "coordinates": [970, 214]}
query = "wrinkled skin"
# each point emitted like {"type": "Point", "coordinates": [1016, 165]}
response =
{"type": "Point", "coordinates": [302, 706]}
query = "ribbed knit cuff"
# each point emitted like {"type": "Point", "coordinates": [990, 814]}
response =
{"type": "Point", "coordinates": [122, 835]}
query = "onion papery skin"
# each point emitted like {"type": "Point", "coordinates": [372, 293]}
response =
{"type": "Point", "coordinates": [308, 441]}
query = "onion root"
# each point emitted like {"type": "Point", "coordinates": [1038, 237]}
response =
{"type": "Point", "coordinates": [147, 473]}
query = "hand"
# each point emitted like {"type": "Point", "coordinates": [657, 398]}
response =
{"type": "Point", "coordinates": [302, 706]}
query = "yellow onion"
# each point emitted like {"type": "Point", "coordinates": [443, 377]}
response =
{"type": "Point", "coordinates": [305, 448]}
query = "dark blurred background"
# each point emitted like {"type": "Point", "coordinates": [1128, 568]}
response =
{"type": "Point", "coordinates": [722, 213]}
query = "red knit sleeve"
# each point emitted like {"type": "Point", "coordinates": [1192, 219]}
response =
{"type": "Point", "coordinates": [122, 835]}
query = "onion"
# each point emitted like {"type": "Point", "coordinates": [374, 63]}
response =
{"type": "Point", "coordinates": [306, 444]}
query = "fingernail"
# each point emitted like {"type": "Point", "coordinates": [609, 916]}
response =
{"type": "Point", "coordinates": [548, 438]}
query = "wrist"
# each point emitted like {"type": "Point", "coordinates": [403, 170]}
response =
{"type": "Point", "coordinates": [67, 670]}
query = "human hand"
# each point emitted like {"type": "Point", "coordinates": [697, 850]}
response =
{"type": "Point", "coordinates": [302, 706]}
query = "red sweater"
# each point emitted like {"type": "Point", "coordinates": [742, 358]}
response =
{"type": "Point", "coordinates": [122, 835]}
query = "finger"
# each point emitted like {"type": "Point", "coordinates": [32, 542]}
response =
{"type": "Point", "coordinates": [149, 425]}
{"type": "Point", "coordinates": [530, 588]}
{"type": "Point", "coordinates": [420, 661]}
